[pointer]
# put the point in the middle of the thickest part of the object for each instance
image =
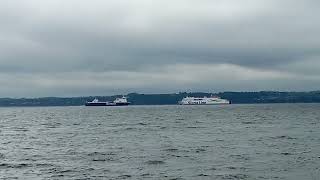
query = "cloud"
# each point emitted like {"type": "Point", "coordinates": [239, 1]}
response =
{"type": "Point", "coordinates": [169, 78]}
{"type": "Point", "coordinates": [147, 45]}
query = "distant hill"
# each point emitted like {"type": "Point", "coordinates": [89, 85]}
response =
{"type": "Point", "coordinates": [167, 99]}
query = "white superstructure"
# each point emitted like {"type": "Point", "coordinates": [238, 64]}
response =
{"type": "Point", "coordinates": [117, 102]}
{"type": "Point", "coordinates": [122, 100]}
{"type": "Point", "coordinates": [203, 101]}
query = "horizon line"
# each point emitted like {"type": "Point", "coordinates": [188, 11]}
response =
{"type": "Point", "coordinates": [84, 96]}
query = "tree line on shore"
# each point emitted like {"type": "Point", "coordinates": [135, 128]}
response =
{"type": "Point", "coordinates": [173, 98]}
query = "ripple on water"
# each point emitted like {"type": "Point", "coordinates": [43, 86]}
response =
{"type": "Point", "coordinates": [248, 122]}
{"type": "Point", "coordinates": [240, 156]}
{"type": "Point", "coordinates": [283, 137]}
{"type": "Point", "coordinates": [286, 153]}
{"type": "Point", "coordinates": [20, 129]}
{"type": "Point", "coordinates": [15, 166]}
{"type": "Point", "coordinates": [200, 150]}
{"type": "Point", "coordinates": [203, 175]}
{"type": "Point", "coordinates": [178, 178]}
{"type": "Point", "coordinates": [171, 150]}
{"type": "Point", "coordinates": [155, 162]}
{"type": "Point", "coordinates": [233, 176]}
{"type": "Point", "coordinates": [101, 156]}
{"type": "Point", "coordinates": [52, 125]}
{"type": "Point", "coordinates": [44, 165]}
{"type": "Point", "coordinates": [125, 176]}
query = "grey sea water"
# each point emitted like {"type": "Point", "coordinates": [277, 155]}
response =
{"type": "Point", "coordinates": [270, 141]}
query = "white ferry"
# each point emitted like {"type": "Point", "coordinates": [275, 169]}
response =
{"type": "Point", "coordinates": [203, 101]}
{"type": "Point", "coordinates": [118, 102]}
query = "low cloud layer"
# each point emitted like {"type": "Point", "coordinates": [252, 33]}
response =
{"type": "Point", "coordinates": [74, 48]}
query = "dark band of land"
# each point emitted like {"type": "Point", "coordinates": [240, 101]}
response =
{"type": "Point", "coordinates": [169, 99]}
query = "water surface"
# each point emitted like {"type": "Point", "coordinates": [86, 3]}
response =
{"type": "Point", "coordinates": [271, 141]}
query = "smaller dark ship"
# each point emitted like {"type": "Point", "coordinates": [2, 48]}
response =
{"type": "Point", "coordinates": [118, 102]}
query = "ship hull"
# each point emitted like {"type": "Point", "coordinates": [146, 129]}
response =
{"type": "Point", "coordinates": [204, 101]}
{"type": "Point", "coordinates": [106, 104]}
{"type": "Point", "coordinates": [122, 104]}
{"type": "Point", "coordinates": [204, 104]}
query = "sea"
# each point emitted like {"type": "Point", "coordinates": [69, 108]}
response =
{"type": "Point", "coordinates": [261, 141]}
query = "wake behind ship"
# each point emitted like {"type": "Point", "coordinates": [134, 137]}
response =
{"type": "Point", "coordinates": [118, 102]}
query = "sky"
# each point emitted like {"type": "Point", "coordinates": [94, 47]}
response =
{"type": "Point", "coordinates": [106, 47]}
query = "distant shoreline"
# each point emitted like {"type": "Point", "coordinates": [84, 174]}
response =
{"type": "Point", "coordinates": [261, 97]}
{"type": "Point", "coordinates": [136, 105]}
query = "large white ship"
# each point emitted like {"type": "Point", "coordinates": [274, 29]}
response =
{"type": "Point", "coordinates": [203, 101]}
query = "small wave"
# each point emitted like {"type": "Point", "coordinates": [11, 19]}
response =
{"type": "Point", "coordinates": [48, 118]}
{"type": "Point", "coordinates": [59, 171]}
{"type": "Point", "coordinates": [171, 149]}
{"type": "Point", "coordinates": [193, 127]}
{"type": "Point", "coordinates": [57, 176]}
{"type": "Point", "coordinates": [2, 156]}
{"type": "Point", "coordinates": [198, 150]}
{"type": "Point", "coordinates": [247, 122]}
{"type": "Point", "coordinates": [155, 162]}
{"type": "Point", "coordinates": [126, 176]}
{"type": "Point", "coordinates": [100, 156]}
{"type": "Point", "coordinates": [17, 166]}
{"type": "Point", "coordinates": [51, 125]}
{"type": "Point", "coordinates": [44, 165]}
{"type": "Point", "coordinates": [27, 148]}
{"type": "Point", "coordinates": [118, 125]}
{"type": "Point", "coordinates": [234, 176]}
{"type": "Point", "coordinates": [97, 160]}
{"type": "Point", "coordinates": [21, 129]}
{"type": "Point", "coordinates": [213, 169]}
{"type": "Point", "coordinates": [286, 153]}
{"type": "Point", "coordinates": [66, 171]}
{"type": "Point", "coordinates": [145, 174]}
{"type": "Point", "coordinates": [97, 154]}
{"type": "Point", "coordinates": [176, 156]}
{"type": "Point", "coordinates": [240, 156]}
{"type": "Point", "coordinates": [176, 178]}
{"type": "Point", "coordinates": [283, 137]}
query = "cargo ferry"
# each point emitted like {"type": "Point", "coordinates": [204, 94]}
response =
{"type": "Point", "coordinates": [117, 102]}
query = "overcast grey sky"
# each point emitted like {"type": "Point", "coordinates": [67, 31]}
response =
{"type": "Point", "coordinates": [102, 47]}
